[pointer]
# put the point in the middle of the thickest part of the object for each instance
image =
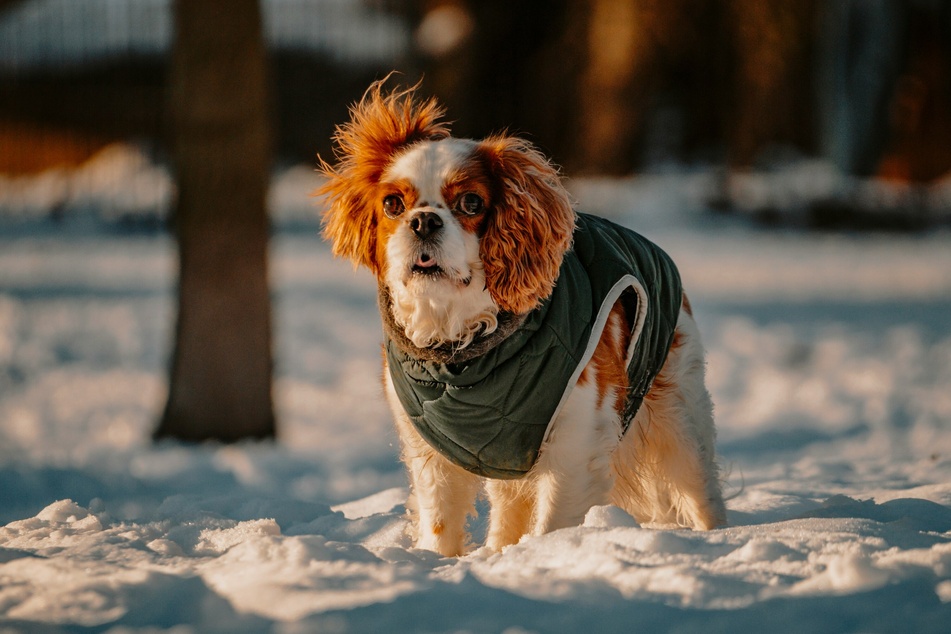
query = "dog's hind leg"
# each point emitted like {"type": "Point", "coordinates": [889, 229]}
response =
{"type": "Point", "coordinates": [665, 467]}
{"type": "Point", "coordinates": [573, 472]}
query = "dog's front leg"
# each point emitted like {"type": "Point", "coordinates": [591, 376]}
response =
{"type": "Point", "coordinates": [442, 494]}
{"type": "Point", "coordinates": [511, 511]}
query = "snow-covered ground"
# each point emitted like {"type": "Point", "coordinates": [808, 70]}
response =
{"type": "Point", "coordinates": [829, 363]}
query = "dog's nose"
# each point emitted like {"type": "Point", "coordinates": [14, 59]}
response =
{"type": "Point", "coordinates": [425, 223]}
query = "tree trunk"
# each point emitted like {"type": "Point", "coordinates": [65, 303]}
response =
{"type": "Point", "coordinates": [508, 69]}
{"type": "Point", "coordinates": [615, 86]}
{"type": "Point", "coordinates": [773, 94]}
{"type": "Point", "coordinates": [220, 386]}
{"type": "Point", "coordinates": [652, 87]}
{"type": "Point", "coordinates": [860, 61]}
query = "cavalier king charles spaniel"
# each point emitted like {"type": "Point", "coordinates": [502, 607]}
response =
{"type": "Point", "coordinates": [524, 355]}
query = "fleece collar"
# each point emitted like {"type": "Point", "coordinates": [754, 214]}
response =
{"type": "Point", "coordinates": [446, 353]}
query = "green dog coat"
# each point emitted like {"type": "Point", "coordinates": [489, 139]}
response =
{"type": "Point", "coordinates": [489, 408]}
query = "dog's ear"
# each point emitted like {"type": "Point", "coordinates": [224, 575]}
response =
{"type": "Point", "coordinates": [530, 225]}
{"type": "Point", "coordinates": [380, 125]}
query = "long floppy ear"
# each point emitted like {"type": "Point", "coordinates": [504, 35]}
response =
{"type": "Point", "coordinates": [530, 226]}
{"type": "Point", "coordinates": [380, 125]}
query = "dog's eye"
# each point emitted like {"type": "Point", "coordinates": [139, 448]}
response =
{"type": "Point", "coordinates": [393, 206]}
{"type": "Point", "coordinates": [469, 204]}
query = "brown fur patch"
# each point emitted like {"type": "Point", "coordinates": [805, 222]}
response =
{"type": "Point", "coordinates": [381, 125]}
{"type": "Point", "coordinates": [685, 305]}
{"type": "Point", "coordinates": [529, 227]}
{"type": "Point", "coordinates": [609, 362]}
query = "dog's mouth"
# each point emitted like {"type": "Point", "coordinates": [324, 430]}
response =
{"type": "Point", "coordinates": [427, 267]}
{"type": "Point", "coordinates": [426, 264]}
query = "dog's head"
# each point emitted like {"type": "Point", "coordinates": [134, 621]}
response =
{"type": "Point", "coordinates": [457, 229]}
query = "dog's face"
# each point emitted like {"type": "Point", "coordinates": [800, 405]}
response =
{"type": "Point", "coordinates": [456, 229]}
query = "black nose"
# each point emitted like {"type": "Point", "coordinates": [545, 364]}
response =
{"type": "Point", "coordinates": [425, 223]}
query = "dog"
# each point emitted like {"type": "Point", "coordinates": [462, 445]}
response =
{"type": "Point", "coordinates": [509, 363]}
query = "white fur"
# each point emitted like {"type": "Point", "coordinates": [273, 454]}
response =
{"type": "Point", "coordinates": [450, 309]}
{"type": "Point", "coordinates": [455, 307]}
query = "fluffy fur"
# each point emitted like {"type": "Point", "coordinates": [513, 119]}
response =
{"type": "Point", "coordinates": [464, 235]}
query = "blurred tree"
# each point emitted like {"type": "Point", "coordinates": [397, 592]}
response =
{"type": "Point", "coordinates": [620, 64]}
{"type": "Point", "coordinates": [602, 85]}
{"type": "Point", "coordinates": [652, 86]}
{"type": "Point", "coordinates": [884, 74]}
{"type": "Point", "coordinates": [498, 64]}
{"type": "Point", "coordinates": [772, 94]}
{"type": "Point", "coordinates": [917, 147]}
{"type": "Point", "coordinates": [611, 86]}
{"type": "Point", "coordinates": [668, 79]}
{"type": "Point", "coordinates": [859, 61]}
{"type": "Point", "coordinates": [220, 386]}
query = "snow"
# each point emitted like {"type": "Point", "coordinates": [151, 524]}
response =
{"type": "Point", "coordinates": [829, 363]}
